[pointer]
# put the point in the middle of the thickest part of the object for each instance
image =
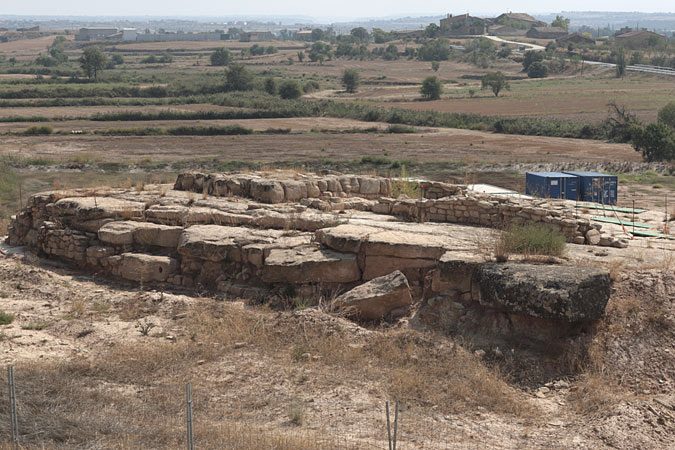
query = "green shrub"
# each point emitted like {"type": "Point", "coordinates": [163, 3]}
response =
{"type": "Point", "coordinates": [531, 239]}
{"type": "Point", "coordinates": [397, 128]}
{"type": "Point", "coordinates": [431, 88]}
{"type": "Point", "coordinates": [6, 319]}
{"type": "Point", "coordinates": [290, 90]}
{"type": "Point", "coordinates": [38, 130]}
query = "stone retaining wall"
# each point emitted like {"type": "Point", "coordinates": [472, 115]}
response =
{"type": "Point", "coordinates": [280, 188]}
{"type": "Point", "coordinates": [444, 202]}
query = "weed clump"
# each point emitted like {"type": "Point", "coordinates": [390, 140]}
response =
{"type": "Point", "coordinates": [530, 239]}
{"type": "Point", "coordinates": [6, 319]}
{"type": "Point", "coordinates": [38, 130]}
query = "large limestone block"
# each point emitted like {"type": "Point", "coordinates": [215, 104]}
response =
{"type": "Point", "coordinates": [140, 233]}
{"type": "Point", "coordinates": [90, 208]}
{"type": "Point", "coordinates": [345, 238]}
{"type": "Point", "coordinates": [215, 242]}
{"type": "Point", "coordinates": [294, 190]}
{"type": "Point", "coordinates": [404, 244]}
{"type": "Point", "coordinates": [369, 186]}
{"type": "Point", "coordinates": [267, 191]}
{"type": "Point", "coordinates": [568, 293]}
{"type": "Point", "coordinates": [309, 264]}
{"type": "Point", "coordinates": [142, 267]}
{"type": "Point", "coordinates": [377, 298]}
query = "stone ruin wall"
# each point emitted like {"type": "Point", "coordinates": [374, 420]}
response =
{"type": "Point", "coordinates": [259, 249]}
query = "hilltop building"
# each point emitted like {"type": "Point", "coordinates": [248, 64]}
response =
{"type": "Point", "coordinates": [639, 39]}
{"type": "Point", "coordinates": [519, 20]}
{"type": "Point", "coordinates": [463, 25]}
{"type": "Point", "coordinates": [95, 33]}
{"type": "Point", "coordinates": [256, 36]}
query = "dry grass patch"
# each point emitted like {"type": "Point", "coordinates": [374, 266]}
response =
{"type": "Point", "coordinates": [529, 239]}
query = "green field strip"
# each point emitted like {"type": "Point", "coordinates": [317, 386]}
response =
{"type": "Point", "coordinates": [609, 208]}
{"type": "Point", "coordinates": [623, 222]}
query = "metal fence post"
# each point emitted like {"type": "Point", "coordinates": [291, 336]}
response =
{"type": "Point", "coordinates": [386, 406]}
{"type": "Point", "coordinates": [14, 423]}
{"type": "Point", "coordinates": [395, 424]}
{"type": "Point", "coordinates": [190, 435]}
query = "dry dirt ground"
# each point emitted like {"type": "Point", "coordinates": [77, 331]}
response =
{"type": "Point", "coordinates": [578, 100]}
{"type": "Point", "coordinates": [440, 145]}
{"type": "Point", "coordinates": [87, 376]}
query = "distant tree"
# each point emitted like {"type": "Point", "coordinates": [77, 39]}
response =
{"type": "Point", "coordinates": [620, 63]}
{"type": "Point", "coordinates": [435, 50]}
{"type": "Point", "coordinates": [530, 57]}
{"type": "Point", "coordinates": [432, 30]}
{"type": "Point", "coordinates": [576, 60]}
{"type": "Point", "coordinates": [496, 81]}
{"type": "Point", "coordinates": [361, 34]}
{"type": "Point", "coordinates": [380, 36]}
{"type": "Point", "coordinates": [537, 70]}
{"type": "Point", "coordinates": [435, 65]}
{"type": "Point", "coordinates": [636, 58]}
{"type": "Point", "coordinates": [561, 22]}
{"type": "Point", "coordinates": [653, 41]}
{"type": "Point", "coordinates": [290, 89]}
{"type": "Point", "coordinates": [504, 52]}
{"type": "Point", "coordinates": [238, 78]}
{"type": "Point", "coordinates": [301, 56]}
{"type": "Point", "coordinates": [667, 115]}
{"type": "Point", "coordinates": [431, 88]}
{"type": "Point", "coordinates": [270, 86]}
{"type": "Point", "coordinates": [319, 52]}
{"type": "Point", "coordinates": [117, 59]}
{"type": "Point", "coordinates": [391, 53]}
{"type": "Point", "coordinates": [318, 35]}
{"type": "Point", "coordinates": [270, 50]}
{"type": "Point", "coordinates": [234, 33]}
{"type": "Point", "coordinates": [656, 141]}
{"type": "Point", "coordinates": [92, 61]}
{"type": "Point", "coordinates": [350, 80]}
{"type": "Point", "coordinates": [57, 50]}
{"type": "Point", "coordinates": [221, 57]}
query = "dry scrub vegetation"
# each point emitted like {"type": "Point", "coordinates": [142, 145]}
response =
{"type": "Point", "coordinates": [132, 395]}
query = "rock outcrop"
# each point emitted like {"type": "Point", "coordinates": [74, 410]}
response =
{"type": "Point", "coordinates": [550, 292]}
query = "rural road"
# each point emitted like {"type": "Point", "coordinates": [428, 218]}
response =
{"type": "Point", "coordinates": [636, 68]}
{"type": "Point", "coordinates": [531, 46]}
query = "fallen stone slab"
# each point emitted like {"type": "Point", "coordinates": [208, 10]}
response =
{"type": "Point", "coordinates": [567, 293]}
{"type": "Point", "coordinates": [378, 298]}
{"type": "Point", "coordinates": [309, 264]}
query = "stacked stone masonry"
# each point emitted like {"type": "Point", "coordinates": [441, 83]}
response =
{"type": "Point", "coordinates": [224, 242]}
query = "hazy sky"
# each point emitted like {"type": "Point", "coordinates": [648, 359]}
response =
{"type": "Point", "coordinates": [319, 9]}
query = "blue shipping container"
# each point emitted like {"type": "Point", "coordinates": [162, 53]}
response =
{"type": "Point", "coordinates": [551, 185]}
{"type": "Point", "coordinates": [597, 187]}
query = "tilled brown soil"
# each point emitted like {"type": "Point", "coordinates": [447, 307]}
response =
{"type": "Point", "coordinates": [442, 145]}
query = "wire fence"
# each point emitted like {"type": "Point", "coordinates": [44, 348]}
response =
{"type": "Point", "coordinates": [208, 423]}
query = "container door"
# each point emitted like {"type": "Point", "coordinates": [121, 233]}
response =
{"type": "Point", "coordinates": [554, 187]}
{"type": "Point", "coordinates": [571, 189]}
